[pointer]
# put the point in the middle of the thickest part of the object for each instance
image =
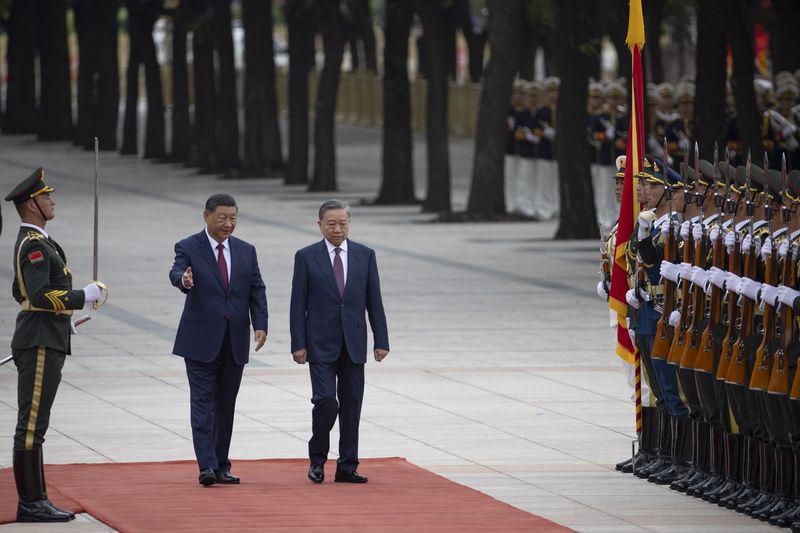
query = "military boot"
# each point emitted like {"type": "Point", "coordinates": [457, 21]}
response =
{"type": "Point", "coordinates": [33, 504]}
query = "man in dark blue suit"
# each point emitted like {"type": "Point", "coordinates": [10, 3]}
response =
{"type": "Point", "coordinates": [224, 293]}
{"type": "Point", "coordinates": [335, 286]}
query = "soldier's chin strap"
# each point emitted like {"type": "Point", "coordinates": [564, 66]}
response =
{"type": "Point", "coordinates": [39, 208]}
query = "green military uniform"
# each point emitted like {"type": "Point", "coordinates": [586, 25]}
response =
{"type": "Point", "coordinates": [43, 288]}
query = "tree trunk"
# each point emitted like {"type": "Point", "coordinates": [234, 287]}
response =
{"type": "Point", "coordinates": [329, 20]}
{"type": "Point", "coordinates": [154, 140]}
{"type": "Point", "coordinates": [86, 20]}
{"type": "Point", "coordinates": [709, 108]}
{"type": "Point", "coordinates": [449, 19]}
{"type": "Point", "coordinates": [130, 129]}
{"type": "Point", "coordinates": [578, 219]}
{"type": "Point", "coordinates": [362, 22]}
{"type": "Point", "coordinates": [203, 153]}
{"type": "Point", "coordinates": [20, 111]}
{"type": "Point", "coordinates": [227, 139]}
{"type": "Point", "coordinates": [107, 91]}
{"type": "Point", "coordinates": [301, 61]}
{"type": "Point", "coordinates": [181, 129]}
{"type": "Point", "coordinates": [438, 191]}
{"type": "Point", "coordinates": [653, 18]}
{"type": "Point", "coordinates": [506, 38]}
{"type": "Point", "coordinates": [262, 144]}
{"type": "Point", "coordinates": [475, 44]}
{"type": "Point", "coordinates": [55, 100]}
{"type": "Point", "coordinates": [787, 19]}
{"type": "Point", "coordinates": [527, 53]}
{"type": "Point", "coordinates": [397, 186]}
{"type": "Point", "coordinates": [739, 17]}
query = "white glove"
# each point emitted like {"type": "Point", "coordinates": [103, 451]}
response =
{"type": "Point", "coordinates": [788, 131]}
{"type": "Point", "coordinates": [730, 241]}
{"type": "Point", "coordinates": [510, 122]}
{"type": "Point", "coordinates": [644, 227]}
{"type": "Point", "coordinates": [732, 282]}
{"type": "Point", "coordinates": [700, 276]}
{"type": "Point", "coordinates": [714, 234]}
{"type": "Point", "coordinates": [783, 250]}
{"type": "Point", "coordinates": [549, 133]}
{"type": "Point", "coordinates": [630, 297]}
{"type": "Point", "coordinates": [92, 293]}
{"type": "Point", "coordinates": [686, 229]}
{"type": "Point", "coordinates": [769, 294]}
{"type": "Point", "coordinates": [787, 295]}
{"type": "Point", "coordinates": [530, 137]}
{"type": "Point", "coordinates": [669, 271]}
{"type": "Point", "coordinates": [73, 328]}
{"type": "Point", "coordinates": [686, 271]}
{"type": "Point", "coordinates": [675, 319]}
{"type": "Point", "coordinates": [601, 290]}
{"type": "Point", "coordinates": [748, 287]}
{"type": "Point", "coordinates": [747, 244]}
{"type": "Point", "coordinates": [610, 132]}
{"type": "Point", "coordinates": [697, 232]}
{"type": "Point", "coordinates": [766, 249]}
{"type": "Point", "coordinates": [717, 277]}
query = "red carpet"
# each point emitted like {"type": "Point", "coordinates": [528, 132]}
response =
{"type": "Point", "coordinates": [276, 496]}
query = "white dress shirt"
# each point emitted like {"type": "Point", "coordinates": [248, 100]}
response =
{"type": "Point", "coordinates": [342, 254]}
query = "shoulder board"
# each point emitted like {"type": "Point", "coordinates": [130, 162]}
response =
{"type": "Point", "coordinates": [34, 235]}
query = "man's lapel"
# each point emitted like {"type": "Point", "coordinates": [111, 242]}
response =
{"type": "Point", "coordinates": [324, 261]}
{"type": "Point", "coordinates": [353, 257]}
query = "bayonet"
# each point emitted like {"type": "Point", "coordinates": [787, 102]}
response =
{"type": "Point", "coordinates": [768, 211]}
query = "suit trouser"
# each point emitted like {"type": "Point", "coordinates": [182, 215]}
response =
{"type": "Point", "coordinates": [343, 380]}
{"type": "Point", "coordinates": [212, 390]}
{"type": "Point", "coordinates": [38, 377]}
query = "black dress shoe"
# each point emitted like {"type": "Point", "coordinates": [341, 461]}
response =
{"type": "Point", "coordinates": [207, 477]}
{"type": "Point", "coordinates": [224, 477]}
{"type": "Point", "coordinates": [350, 476]}
{"type": "Point", "coordinates": [316, 473]}
{"type": "Point", "coordinates": [42, 511]}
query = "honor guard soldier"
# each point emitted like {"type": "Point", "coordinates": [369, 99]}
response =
{"type": "Point", "coordinates": [600, 133]}
{"type": "Point", "coordinates": [546, 194]}
{"type": "Point", "coordinates": [43, 288]}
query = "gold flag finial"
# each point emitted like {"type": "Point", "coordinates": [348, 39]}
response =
{"type": "Point", "coordinates": [635, 35]}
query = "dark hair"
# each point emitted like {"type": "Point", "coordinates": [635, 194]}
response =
{"type": "Point", "coordinates": [216, 200]}
{"type": "Point", "coordinates": [333, 204]}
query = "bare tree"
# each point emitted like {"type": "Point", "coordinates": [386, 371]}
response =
{"type": "Point", "coordinates": [262, 136]}
{"type": "Point", "coordinates": [506, 20]}
{"type": "Point", "coordinates": [20, 111]}
{"type": "Point", "coordinates": [397, 185]}
{"type": "Point", "coordinates": [437, 199]}
{"type": "Point", "coordinates": [181, 126]}
{"type": "Point", "coordinates": [739, 17]}
{"type": "Point", "coordinates": [329, 21]}
{"type": "Point", "coordinates": [301, 60]}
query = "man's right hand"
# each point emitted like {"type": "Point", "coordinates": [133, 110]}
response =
{"type": "Point", "coordinates": [188, 279]}
{"type": "Point", "coordinates": [300, 356]}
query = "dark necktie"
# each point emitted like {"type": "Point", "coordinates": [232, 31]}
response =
{"type": "Point", "coordinates": [223, 266]}
{"type": "Point", "coordinates": [338, 271]}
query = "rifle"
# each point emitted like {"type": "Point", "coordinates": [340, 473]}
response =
{"type": "Point", "coordinates": [734, 267]}
{"type": "Point", "coordinates": [698, 308]}
{"type": "Point", "coordinates": [759, 379]}
{"type": "Point", "coordinates": [679, 340]}
{"type": "Point", "coordinates": [779, 378]}
{"type": "Point", "coordinates": [661, 344]}
{"type": "Point", "coordinates": [736, 370]}
{"type": "Point", "coordinates": [705, 356]}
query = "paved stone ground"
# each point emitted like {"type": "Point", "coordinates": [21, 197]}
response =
{"type": "Point", "coordinates": [501, 375]}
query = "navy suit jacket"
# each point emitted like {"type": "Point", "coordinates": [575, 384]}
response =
{"type": "Point", "coordinates": [321, 320]}
{"type": "Point", "coordinates": [209, 307]}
